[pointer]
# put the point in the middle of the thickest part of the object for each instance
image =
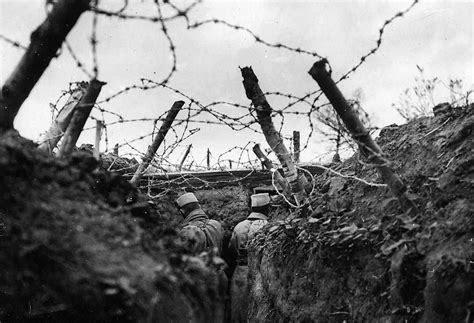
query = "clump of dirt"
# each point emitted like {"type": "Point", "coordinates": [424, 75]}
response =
{"type": "Point", "coordinates": [355, 256]}
{"type": "Point", "coordinates": [79, 244]}
{"type": "Point", "coordinates": [118, 164]}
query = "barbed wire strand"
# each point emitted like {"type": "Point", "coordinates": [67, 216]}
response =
{"type": "Point", "coordinates": [304, 105]}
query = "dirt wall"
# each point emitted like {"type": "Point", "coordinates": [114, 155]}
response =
{"type": "Point", "coordinates": [356, 257]}
{"type": "Point", "coordinates": [79, 244]}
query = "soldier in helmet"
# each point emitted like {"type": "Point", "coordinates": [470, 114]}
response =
{"type": "Point", "coordinates": [201, 233]}
{"type": "Point", "coordinates": [239, 290]}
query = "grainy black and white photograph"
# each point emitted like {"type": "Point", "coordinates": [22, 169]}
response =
{"type": "Point", "coordinates": [237, 161]}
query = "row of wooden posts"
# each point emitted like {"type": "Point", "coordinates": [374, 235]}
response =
{"type": "Point", "coordinates": [295, 139]}
{"type": "Point", "coordinates": [47, 39]}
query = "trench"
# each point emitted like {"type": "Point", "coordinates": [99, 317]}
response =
{"type": "Point", "coordinates": [78, 243]}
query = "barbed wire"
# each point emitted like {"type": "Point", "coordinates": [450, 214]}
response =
{"type": "Point", "coordinates": [378, 42]}
{"type": "Point", "coordinates": [171, 44]}
{"type": "Point", "coordinates": [257, 38]}
{"type": "Point", "coordinates": [179, 13]}
{"type": "Point", "coordinates": [12, 42]}
{"type": "Point", "coordinates": [94, 42]}
{"type": "Point", "coordinates": [242, 116]}
{"type": "Point", "coordinates": [78, 62]}
{"type": "Point", "coordinates": [170, 181]}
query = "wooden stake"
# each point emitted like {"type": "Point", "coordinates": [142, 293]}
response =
{"type": "Point", "coordinates": [184, 158]}
{"type": "Point", "coordinates": [208, 159]}
{"type": "Point", "coordinates": [368, 147]}
{"type": "Point", "coordinates": [263, 109]}
{"type": "Point", "coordinates": [79, 118]}
{"type": "Point", "coordinates": [296, 146]}
{"type": "Point", "coordinates": [51, 138]}
{"type": "Point", "coordinates": [46, 40]}
{"type": "Point", "coordinates": [267, 163]}
{"type": "Point", "coordinates": [172, 113]}
{"type": "Point", "coordinates": [98, 135]}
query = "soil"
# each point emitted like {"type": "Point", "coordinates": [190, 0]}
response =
{"type": "Point", "coordinates": [354, 256]}
{"type": "Point", "coordinates": [80, 244]}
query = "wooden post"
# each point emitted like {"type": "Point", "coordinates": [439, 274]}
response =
{"type": "Point", "coordinates": [208, 159]}
{"type": "Point", "coordinates": [172, 113]}
{"type": "Point", "coordinates": [303, 181]}
{"type": "Point", "coordinates": [368, 147]}
{"type": "Point", "coordinates": [184, 157]}
{"type": "Point", "coordinates": [116, 149]}
{"type": "Point", "coordinates": [263, 109]}
{"type": "Point", "coordinates": [79, 118]}
{"type": "Point", "coordinates": [267, 163]}
{"type": "Point", "coordinates": [98, 135]}
{"type": "Point", "coordinates": [230, 164]}
{"type": "Point", "coordinates": [51, 138]}
{"type": "Point", "coordinates": [296, 146]}
{"type": "Point", "coordinates": [46, 40]}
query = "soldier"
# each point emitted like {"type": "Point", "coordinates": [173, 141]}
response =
{"type": "Point", "coordinates": [202, 233]}
{"type": "Point", "coordinates": [239, 290]}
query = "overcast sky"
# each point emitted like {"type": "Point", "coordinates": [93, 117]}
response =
{"type": "Point", "coordinates": [435, 35]}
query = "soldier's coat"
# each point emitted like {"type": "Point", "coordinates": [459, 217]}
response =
{"type": "Point", "coordinates": [239, 290]}
{"type": "Point", "coordinates": [201, 233]}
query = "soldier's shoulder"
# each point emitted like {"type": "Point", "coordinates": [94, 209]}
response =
{"type": "Point", "coordinates": [215, 223]}
{"type": "Point", "coordinates": [242, 225]}
{"type": "Point", "coordinates": [189, 228]}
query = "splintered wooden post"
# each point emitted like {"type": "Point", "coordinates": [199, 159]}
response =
{"type": "Point", "coordinates": [46, 40]}
{"type": "Point", "coordinates": [368, 147]}
{"type": "Point", "coordinates": [184, 157]}
{"type": "Point", "coordinates": [98, 135]}
{"type": "Point", "coordinates": [208, 159]}
{"type": "Point", "coordinates": [274, 140]}
{"type": "Point", "coordinates": [116, 149]}
{"type": "Point", "coordinates": [267, 163]}
{"type": "Point", "coordinates": [172, 113]}
{"type": "Point", "coordinates": [79, 118]}
{"type": "Point", "coordinates": [296, 146]}
{"type": "Point", "coordinates": [51, 138]}
{"type": "Point", "coordinates": [304, 182]}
